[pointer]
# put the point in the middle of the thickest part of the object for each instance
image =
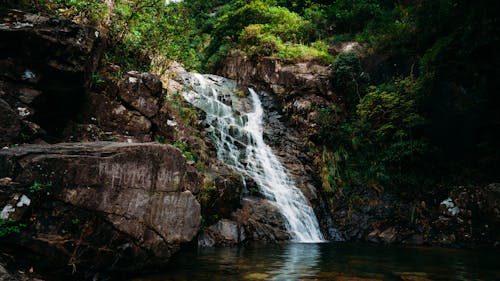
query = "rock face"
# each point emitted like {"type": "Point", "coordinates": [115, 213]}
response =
{"type": "Point", "coordinates": [140, 91]}
{"type": "Point", "coordinates": [128, 110]}
{"type": "Point", "coordinates": [464, 217]}
{"type": "Point", "coordinates": [262, 220]}
{"type": "Point", "coordinates": [89, 203]}
{"type": "Point", "coordinates": [44, 74]}
{"type": "Point", "coordinates": [104, 118]}
{"type": "Point", "coordinates": [301, 88]}
{"type": "Point", "coordinates": [223, 233]}
{"type": "Point", "coordinates": [470, 215]}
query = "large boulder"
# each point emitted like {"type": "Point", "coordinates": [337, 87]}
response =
{"type": "Point", "coordinates": [261, 220]}
{"type": "Point", "coordinates": [46, 65]}
{"type": "Point", "coordinates": [223, 233]}
{"type": "Point", "coordinates": [105, 206]}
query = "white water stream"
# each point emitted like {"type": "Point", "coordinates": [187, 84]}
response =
{"type": "Point", "coordinates": [238, 137]}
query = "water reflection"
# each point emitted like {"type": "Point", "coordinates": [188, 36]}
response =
{"type": "Point", "coordinates": [299, 260]}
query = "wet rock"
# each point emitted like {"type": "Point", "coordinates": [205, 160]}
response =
{"type": "Point", "coordinates": [45, 69]}
{"type": "Point", "coordinates": [256, 276]}
{"type": "Point", "coordinates": [415, 239]}
{"type": "Point", "coordinates": [448, 208]}
{"type": "Point", "coordinates": [302, 88]}
{"type": "Point", "coordinates": [413, 276]}
{"type": "Point", "coordinates": [123, 206]}
{"type": "Point", "coordinates": [469, 215]}
{"type": "Point", "coordinates": [262, 220]}
{"type": "Point", "coordinates": [389, 235]}
{"type": "Point", "coordinates": [373, 236]}
{"type": "Point", "coordinates": [223, 233]}
{"type": "Point", "coordinates": [226, 196]}
{"type": "Point", "coordinates": [141, 91]}
{"type": "Point", "coordinates": [5, 275]}
{"type": "Point", "coordinates": [295, 91]}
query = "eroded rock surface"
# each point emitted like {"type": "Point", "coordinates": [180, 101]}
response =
{"type": "Point", "coordinates": [94, 203]}
{"type": "Point", "coordinates": [261, 220]}
{"type": "Point", "coordinates": [46, 66]}
{"type": "Point", "coordinates": [140, 91]}
{"type": "Point", "coordinates": [301, 88]}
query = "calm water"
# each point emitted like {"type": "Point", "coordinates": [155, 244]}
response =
{"type": "Point", "coordinates": [332, 261]}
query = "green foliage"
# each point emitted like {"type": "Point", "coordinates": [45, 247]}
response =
{"type": "Point", "coordinates": [389, 112]}
{"type": "Point", "coordinates": [9, 226]}
{"type": "Point", "coordinates": [349, 79]}
{"type": "Point", "coordinates": [37, 186]}
{"type": "Point", "coordinates": [87, 11]}
{"type": "Point", "coordinates": [257, 41]}
{"type": "Point", "coordinates": [394, 30]}
{"type": "Point", "coordinates": [161, 139]}
{"type": "Point", "coordinates": [183, 147]}
{"type": "Point", "coordinates": [377, 146]}
{"type": "Point", "coordinates": [353, 15]}
{"type": "Point", "coordinates": [260, 28]}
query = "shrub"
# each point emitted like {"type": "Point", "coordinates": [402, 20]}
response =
{"type": "Point", "coordinates": [349, 79]}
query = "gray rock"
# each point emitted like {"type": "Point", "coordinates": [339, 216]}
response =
{"type": "Point", "coordinates": [389, 235]}
{"type": "Point", "coordinates": [261, 220]}
{"type": "Point", "coordinates": [141, 90]}
{"type": "Point", "coordinates": [223, 233]}
{"type": "Point", "coordinates": [133, 200]}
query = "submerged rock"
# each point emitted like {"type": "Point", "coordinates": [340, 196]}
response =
{"type": "Point", "coordinates": [106, 206]}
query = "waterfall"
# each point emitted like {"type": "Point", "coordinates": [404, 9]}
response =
{"type": "Point", "coordinates": [237, 128]}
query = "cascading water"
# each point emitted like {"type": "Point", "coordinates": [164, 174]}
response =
{"type": "Point", "coordinates": [238, 137]}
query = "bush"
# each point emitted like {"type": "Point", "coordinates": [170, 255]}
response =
{"type": "Point", "coordinates": [260, 28]}
{"type": "Point", "coordinates": [378, 145]}
{"type": "Point", "coordinates": [349, 79]}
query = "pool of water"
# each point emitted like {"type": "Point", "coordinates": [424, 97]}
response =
{"type": "Point", "coordinates": [331, 261]}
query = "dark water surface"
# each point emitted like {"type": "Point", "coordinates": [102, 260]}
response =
{"type": "Point", "coordinates": [332, 261]}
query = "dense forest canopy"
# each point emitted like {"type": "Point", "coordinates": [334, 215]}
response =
{"type": "Point", "coordinates": [428, 116]}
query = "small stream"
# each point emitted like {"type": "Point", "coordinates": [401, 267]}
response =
{"type": "Point", "coordinates": [331, 261]}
